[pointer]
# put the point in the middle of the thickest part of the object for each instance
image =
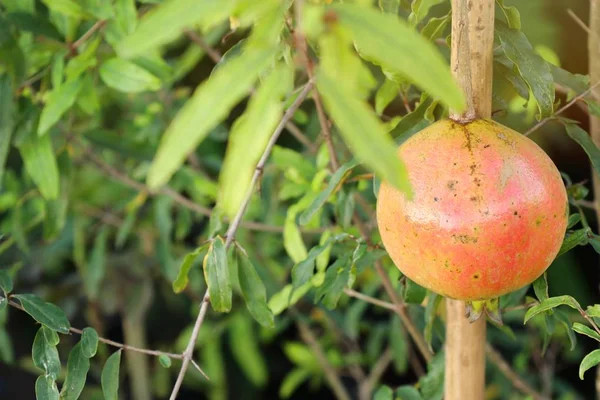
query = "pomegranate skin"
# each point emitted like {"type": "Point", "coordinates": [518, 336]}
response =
{"type": "Point", "coordinates": [488, 214]}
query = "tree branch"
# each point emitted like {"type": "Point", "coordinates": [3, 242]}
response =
{"type": "Point", "coordinates": [493, 355]}
{"type": "Point", "coordinates": [233, 227]}
{"type": "Point", "coordinates": [177, 197]}
{"type": "Point", "coordinates": [562, 109]}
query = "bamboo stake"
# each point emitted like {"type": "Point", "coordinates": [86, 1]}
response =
{"type": "Point", "coordinates": [472, 57]}
{"type": "Point", "coordinates": [594, 66]}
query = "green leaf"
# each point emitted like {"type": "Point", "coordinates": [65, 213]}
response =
{"type": "Point", "coordinates": [577, 83]}
{"type": "Point", "coordinates": [77, 369]}
{"type": "Point", "coordinates": [584, 330]}
{"type": "Point", "coordinates": [435, 27]}
{"type": "Point", "coordinates": [432, 384]}
{"type": "Point", "coordinates": [589, 361]}
{"type": "Point", "coordinates": [384, 393]}
{"type": "Point", "coordinates": [337, 277]}
{"type": "Point", "coordinates": [540, 287]}
{"type": "Point", "coordinates": [292, 381]}
{"type": "Point", "coordinates": [593, 311]}
{"type": "Point", "coordinates": [45, 355]}
{"type": "Point", "coordinates": [582, 138]}
{"type": "Point", "coordinates": [45, 313]}
{"type": "Point", "coordinates": [513, 17]}
{"type": "Point", "coordinates": [89, 342]}
{"type": "Point", "coordinates": [551, 303]}
{"type": "Point", "coordinates": [253, 291]}
{"type": "Point", "coordinates": [334, 183]}
{"type": "Point", "coordinates": [6, 283]}
{"type": "Point", "coordinates": [127, 77]}
{"type": "Point", "coordinates": [305, 269]}
{"type": "Point", "coordinates": [99, 8]}
{"type": "Point", "coordinates": [249, 136]}
{"type": "Point", "coordinates": [164, 360]}
{"type": "Point", "coordinates": [573, 239]}
{"type": "Point", "coordinates": [216, 274]}
{"type": "Point", "coordinates": [59, 102]}
{"type": "Point", "coordinates": [110, 377]}
{"type": "Point", "coordinates": [386, 93]}
{"type": "Point", "coordinates": [96, 266]}
{"type": "Point", "coordinates": [167, 21]}
{"type": "Point", "coordinates": [181, 282]}
{"type": "Point", "coordinates": [399, 346]}
{"type": "Point", "coordinates": [281, 300]}
{"type": "Point", "coordinates": [413, 293]}
{"type": "Point", "coordinates": [69, 8]}
{"type": "Point", "coordinates": [407, 393]}
{"type": "Point", "coordinates": [40, 162]}
{"type": "Point", "coordinates": [389, 42]}
{"type": "Point", "coordinates": [45, 388]}
{"type": "Point", "coordinates": [209, 105]}
{"type": "Point", "coordinates": [244, 347]}
{"type": "Point", "coordinates": [35, 24]}
{"type": "Point", "coordinates": [412, 123]}
{"type": "Point", "coordinates": [433, 301]}
{"type": "Point", "coordinates": [420, 9]}
{"type": "Point", "coordinates": [573, 220]}
{"type": "Point", "coordinates": [364, 134]}
{"type": "Point", "coordinates": [7, 118]}
{"type": "Point", "coordinates": [561, 317]}
{"type": "Point", "coordinates": [533, 69]}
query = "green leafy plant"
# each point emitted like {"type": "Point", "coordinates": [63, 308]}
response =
{"type": "Point", "coordinates": [195, 182]}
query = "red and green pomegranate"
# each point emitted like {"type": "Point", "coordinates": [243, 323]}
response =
{"type": "Point", "coordinates": [488, 213]}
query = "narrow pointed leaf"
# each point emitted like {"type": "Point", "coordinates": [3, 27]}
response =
{"type": "Point", "coordinates": [45, 355]}
{"type": "Point", "coordinates": [208, 106]}
{"type": "Point", "coordinates": [254, 291]}
{"type": "Point", "coordinates": [364, 133]}
{"type": "Point", "coordinates": [216, 274]}
{"type": "Point", "coordinates": [89, 342]}
{"type": "Point", "coordinates": [551, 303]}
{"type": "Point", "coordinates": [532, 67]}
{"type": "Point", "coordinates": [127, 77]}
{"type": "Point", "coordinates": [583, 139]}
{"type": "Point", "coordinates": [45, 388]}
{"type": "Point", "coordinates": [336, 179]}
{"type": "Point", "coordinates": [6, 283]}
{"type": "Point", "coordinates": [589, 361]}
{"type": "Point", "coordinates": [168, 20]}
{"type": "Point", "coordinates": [77, 369]}
{"type": "Point", "coordinates": [584, 330]}
{"type": "Point", "coordinates": [388, 41]}
{"type": "Point", "coordinates": [110, 376]}
{"type": "Point", "coordinates": [249, 137]}
{"type": "Point", "coordinates": [7, 118]}
{"type": "Point", "coordinates": [59, 101]}
{"type": "Point", "coordinates": [40, 162]}
{"type": "Point", "coordinates": [181, 282]}
{"type": "Point", "coordinates": [45, 313]}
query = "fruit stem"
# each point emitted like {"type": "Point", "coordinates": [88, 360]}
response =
{"type": "Point", "coordinates": [471, 62]}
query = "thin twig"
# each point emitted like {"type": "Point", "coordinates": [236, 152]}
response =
{"type": "Point", "coordinates": [496, 358]}
{"type": "Point", "coordinates": [331, 375]}
{"type": "Point", "coordinates": [369, 299]}
{"type": "Point", "coordinates": [579, 22]}
{"type": "Point", "coordinates": [562, 109]}
{"type": "Point", "coordinates": [216, 57]}
{"type": "Point", "coordinates": [155, 353]}
{"type": "Point", "coordinates": [98, 25]}
{"type": "Point", "coordinates": [376, 373]}
{"type": "Point", "coordinates": [177, 197]}
{"type": "Point", "coordinates": [302, 46]}
{"type": "Point", "coordinates": [199, 40]}
{"type": "Point", "coordinates": [233, 227]}
{"type": "Point", "coordinates": [189, 350]}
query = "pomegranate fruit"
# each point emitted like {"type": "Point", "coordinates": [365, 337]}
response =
{"type": "Point", "coordinates": [488, 213]}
